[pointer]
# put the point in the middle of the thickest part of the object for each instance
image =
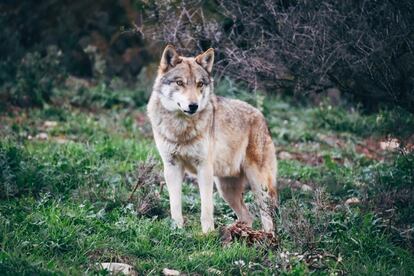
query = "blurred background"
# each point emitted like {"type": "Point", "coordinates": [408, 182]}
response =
{"type": "Point", "coordinates": [355, 50]}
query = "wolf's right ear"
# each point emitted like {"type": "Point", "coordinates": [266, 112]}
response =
{"type": "Point", "coordinates": [169, 58]}
{"type": "Point", "coordinates": [206, 59]}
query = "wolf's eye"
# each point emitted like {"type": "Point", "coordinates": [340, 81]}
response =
{"type": "Point", "coordinates": [179, 83]}
{"type": "Point", "coordinates": [200, 84]}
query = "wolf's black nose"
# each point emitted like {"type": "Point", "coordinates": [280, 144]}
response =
{"type": "Point", "coordinates": [193, 107]}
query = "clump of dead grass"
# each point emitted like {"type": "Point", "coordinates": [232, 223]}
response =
{"type": "Point", "coordinates": [305, 223]}
{"type": "Point", "coordinates": [145, 194]}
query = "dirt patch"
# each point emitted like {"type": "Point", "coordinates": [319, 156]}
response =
{"type": "Point", "coordinates": [378, 148]}
{"type": "Point", "coordinates": [295, 184]}
{"type": "Point", "coordinates": [309, 158]}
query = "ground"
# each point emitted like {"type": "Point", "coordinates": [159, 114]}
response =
{"type": "Point", "coordinates": [68, 172]}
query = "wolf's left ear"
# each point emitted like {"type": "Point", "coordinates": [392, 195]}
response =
{"type": "Point", "coordinates": [206, 59]}
{"type": "Point", "coordinates": [169, 58]}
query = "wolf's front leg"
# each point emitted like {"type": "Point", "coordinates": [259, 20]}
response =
{"type": "Point", "coordinates": [206, 184]}
{"type": "Point", "coordinates": [173, 175]}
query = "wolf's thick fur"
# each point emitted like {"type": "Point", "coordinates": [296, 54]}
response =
{"type": "Point", "coordinates": [220, 140]}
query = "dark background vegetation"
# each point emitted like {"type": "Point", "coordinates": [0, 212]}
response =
{"type": "Point", "coordinates": [364, 49]}
{"type": "Point", "coordinates": [80, 178]}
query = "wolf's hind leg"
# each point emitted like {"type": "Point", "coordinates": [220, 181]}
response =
{"type": "Point", "coordinates": [231, 190]}
{"type": "Point", "coordinates": [173, 175]}
{"type": "Point", "coordinates": [258, 181]}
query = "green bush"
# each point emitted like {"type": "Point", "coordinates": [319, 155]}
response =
{"type": "Point", "coordinates": [396, 121]}
{"type": "Point", "coordinates": [35, 78]}
{"type": "Point", "coordinates": [105, 96]}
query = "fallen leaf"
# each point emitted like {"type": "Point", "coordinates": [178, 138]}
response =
{"type": "Point", "coordinates": [284, 155]}
{"type": "Point", "coordinates": [352, 201]}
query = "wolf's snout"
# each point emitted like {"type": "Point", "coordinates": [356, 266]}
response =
{"type": "Point", "coordinates": [193, 107]}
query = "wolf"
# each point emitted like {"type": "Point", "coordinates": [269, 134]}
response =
{"type": "Point", "coordinates": [220, 140]}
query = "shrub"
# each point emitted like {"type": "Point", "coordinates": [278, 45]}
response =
{"type": "Point", "coordinates": [93, 37]}
{"type": "Point", "coordinates": [35, 78]}
{"type": "Point", "coordinates": [396, 121]}
{"type": "Point", "coordinates": [361, 47]}
{"type": "Point", "coordinates": [106, 96]}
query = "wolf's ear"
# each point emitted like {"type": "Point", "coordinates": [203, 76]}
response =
{"type": "Point", "coordinates": [169, 58]}
{"type": "Point", "coordinates": [206, 59]}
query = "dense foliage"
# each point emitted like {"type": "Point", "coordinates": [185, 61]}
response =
{"type": "Point", "coordinates": [363, 48]}
{"type": "Point", "coordinates": [90, 40]}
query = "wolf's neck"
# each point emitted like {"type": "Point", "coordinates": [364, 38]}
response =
{"type": "Point", "coordinates": [176, 127]}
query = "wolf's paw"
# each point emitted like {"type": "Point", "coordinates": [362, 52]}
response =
{"type": "Point", "coordinates": [177, 223]}
{"type": "Point", "coordinates": [207, 225]}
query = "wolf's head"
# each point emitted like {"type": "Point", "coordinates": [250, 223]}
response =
{"type": "Point", "coordinates": [185, 83]}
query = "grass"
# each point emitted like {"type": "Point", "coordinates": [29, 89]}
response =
{"type": "Point", "coordinates": [67, 173]}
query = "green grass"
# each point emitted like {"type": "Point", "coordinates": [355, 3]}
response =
{"type": "Point", "coordinates": [64, 201]}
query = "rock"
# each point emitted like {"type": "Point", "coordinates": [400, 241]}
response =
{"type": "Point", "coordinates": [352, 201]}
{"type": "Point", "coordinates": [117, 268]}
{"type": "Point", "coordinates": [50, 124]}
{"type": "Point", "coordinates": [42, 136]}
{"type": "Point", "coordinates": [306, 188]}
{"type": "Point", "coordinates": [284, 155]}
{"type": "Point", "coordinates": [170, 272]}
{"type": "Point", "coordinates": [390, 144]}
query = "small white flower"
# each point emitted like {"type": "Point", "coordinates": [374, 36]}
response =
{"type": "Point", "coordinates": [239, 263]}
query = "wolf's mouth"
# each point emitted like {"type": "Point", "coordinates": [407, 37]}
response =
{"type": "Point", "coordinates": [186, 111]}
{"type": "Point", "coordinates": [190, 112]}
